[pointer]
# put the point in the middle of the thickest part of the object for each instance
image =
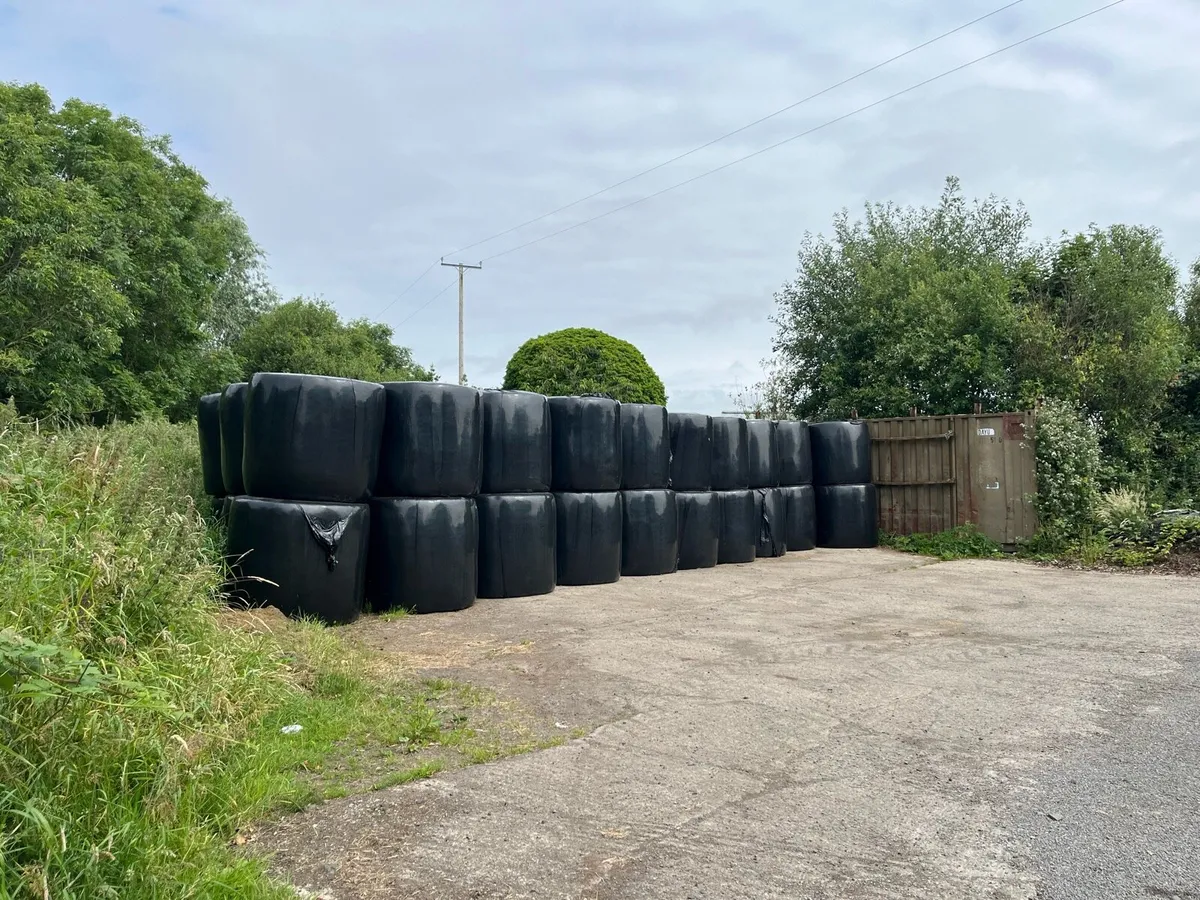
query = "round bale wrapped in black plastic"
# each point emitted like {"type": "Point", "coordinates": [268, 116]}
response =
{"type": "Point", "coordinates": [795, 453]}
{"type": "Point", "coordinates": [739, 527]}
{"type": "Point", "coordinates": [699, 516]}
{"type": "Point", "coordinates": [841, 452]}
{"type": "Point", "coordinates": [772, 523]}
{"type": "Point", "coordinates": [847, 515]}
{"type": "Point", "coordinates": [309, 437]}
{"type": "Point", "coordinates": [649, 533]}
{"type": "Point", "coordinates": [233, 421]}
{"type": "Point", "coordinates": [516, 442]}
{"type": "Point", "coordinates": [645, 446]}
{"type": "Point", "coordinates": [730, 454]}
{"type": "Point", "coordinates": [432, 440]}
{"type": "Point", "coordinates": [589, 537]}
{"type": "Point", "coordinates": [307, 559]}
{"type": "Point", "coordinates": [208, 422]}
{"type": "Point", "coordinates": [585, 444]}
{"type": "Point", "coordinates": [423, 554]}
{"type": "Point", "coordinates": [801, 513]}
{"type": "Point", "coordinates": [516, 544]}
{"type": "Point", "coordinates": [762, 452]}
{"type": "Point", "coordinates": [691, 451]}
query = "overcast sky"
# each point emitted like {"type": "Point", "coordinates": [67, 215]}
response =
{"type": "Point", "coordinates": [363, 140]}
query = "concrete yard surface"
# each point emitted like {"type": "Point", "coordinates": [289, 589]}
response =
{"type": "Point", "coordinates": [835, 724]}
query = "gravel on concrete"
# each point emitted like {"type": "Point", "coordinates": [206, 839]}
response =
{"type": "Point", "coordinates": [835, 724]}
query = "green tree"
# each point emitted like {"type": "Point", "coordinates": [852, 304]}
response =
{"type": "Point", "coordinates": [112, 254]}
{"type": "Point", "coordinates": [308, 336]}
{"type": "Point", "coordinates": [1112, 295]}
{"type": "Point", "coordinates": [584, 361]}
{"type": "Point", "coordinates": [905, 308]}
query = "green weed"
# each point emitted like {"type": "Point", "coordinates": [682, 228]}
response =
{"type": "Point", "coordinates": [963, 542]}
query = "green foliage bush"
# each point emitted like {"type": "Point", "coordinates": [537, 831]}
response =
{"type": "Point", "coordinates": [308, 336]}
{"type": "Point", "coordinates": [1068, 473]}
{"type": "Point", "coordinates": [584, 361]}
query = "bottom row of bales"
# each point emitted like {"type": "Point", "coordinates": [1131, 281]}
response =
{"type": "Point", "coordinates": [437, 554]}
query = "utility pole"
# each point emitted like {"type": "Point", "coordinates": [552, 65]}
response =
{"type": "Point", "coordinates": [462, 371]}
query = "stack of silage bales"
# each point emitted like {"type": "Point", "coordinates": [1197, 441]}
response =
{"type": "Point", "coordinates": [649, 525]}
{"type": "Point", "coordinates": [795, 483]}
{"type": "Point", "coordinates": [698, 507]}
{"type": "Point", "coordinates": [586, 465]}
{"type": "Point", "coordinates": [516, 509]}
{"type": "Point", "coordinates": [298, 538]}
{"type": "Point", "coordinates": [424, 518]}
{"type": "Point", "coordinates": [731, 480]}
{"type": "Point", "coordinates": [340, 493]}
{"type": "Point", "coordinates": [763, 454]}
{"type": "Point", "coordinates": [846, 501]}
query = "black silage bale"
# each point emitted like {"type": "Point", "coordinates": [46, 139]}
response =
{"type": "Point", "coordinates": [739, 527]}
{"type": "Point", "coordinates": [699, 517]}
{"type": "Point", "coordinates": [795, 453]}
{"type": "Point", "coordinates": [585, 442]}
{"type": "Point", "coordinates": [730, 454]}
{"type": "Point", "coordinates": [588, 537]}
{"type": "Point", "coordinates": [516, 544]}
{"type": "Point", "coordinates": [516, 442]}
{"type": "Point", "coordinates": [841, 452]}
{"type": "Point", "coordinates": [424, 554]}
{"type": "Point", "coordinates": [800, 510]}
{"type": "Point", "coordinates": [645, 446]}
{"type": "Point", "coordinates": [847, 515]}
{"type": "Point", "coordinates": [691, 451]}
{"type": "Point", "coordinates": [772, 522]}
{"type": "Point", "coordinates": [208, 424]}
{"type": "Point", "coordinates": [649, 532]}
{"type": "Point", "coordinates": [432, 440]}
{"type": "Point", "coordinates": [762, 453]}
{"type": "Point", "coordinates": [309, 437]}
{"type": "Point", "coordinates": [306, 559]}
{"type": "Point", "coordinates": [233, 422]}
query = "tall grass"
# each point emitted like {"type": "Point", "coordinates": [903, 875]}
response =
{"type": "Point", "coordinates": [124, 708]}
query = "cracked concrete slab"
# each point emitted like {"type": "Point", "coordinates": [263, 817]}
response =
{"type": "Point", "coordinates": [849, 724]}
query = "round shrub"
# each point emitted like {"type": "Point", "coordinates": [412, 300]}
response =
{"type": "Point", "coordinates": [584, 361]}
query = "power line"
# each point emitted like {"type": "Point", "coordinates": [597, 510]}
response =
{"type": "Point", "coordinates": [703, 146]}
{"type": "Point", "coordinates": [413, 284]}
{"type": "Point", "coordinates": [802, 134]}
{"type": "Point", "coordinates": [426, 303]}
{"type": "Point", "coordinates": [745, 127]}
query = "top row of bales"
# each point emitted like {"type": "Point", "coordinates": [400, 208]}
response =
{"type": "Point", "coordinates": [305, 437]}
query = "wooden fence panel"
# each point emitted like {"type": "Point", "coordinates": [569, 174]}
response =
{"type": "Point", "coordinates": [936, 472]}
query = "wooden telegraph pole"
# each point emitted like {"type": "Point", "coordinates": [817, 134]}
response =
{"type": "Point", "coordinates": [462, 371]}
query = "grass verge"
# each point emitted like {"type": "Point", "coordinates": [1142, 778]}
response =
{"type": "Point", "coordinates": [143, 726]}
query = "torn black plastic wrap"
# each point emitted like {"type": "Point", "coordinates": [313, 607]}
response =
{"type": "Point", "coordinates": [516, 442]}
{"type": "Point", "coordinates": [699, 516]}
{"type": "Point", "coordinates": [691, 451]}
{"type": "Point", "coordinates": [772, 523]}
{"type": "Point", "coordinates": [585, 441]}
{"type": "Point", "coordinates": [649, 533]}
{"type": "Point", "coordinates": [307, 559]}
{"type": "Point", "coordinates": [645, 446]}
{"type": "Point", "coordinates": [589, 537]}
{"type": "Point", "coordinates": [739, 527]}
{"type": "Point", "coordinates": [516, 544]}
{"type": "Point", "coordinates": [801, 513]}
{"type": "Point", "coordinates": [432, 441]}
{"type": "Point", "coordinates": [208, 423]}
{"type": "Point", "coordinates": [762, 453]}
{"type": "Point", "coordinates": [841, 452]}
{"type": "Point", "coordinates": [308, 437]}
{"type": "Point", "coordinates": [730, 454]}
{"type": "Point", "coordinates": [795, 453]}
{"type": "Point", "coordinates": [423, 554]}
{"type": "Point", "coordinates": [233, 421]}
{"type": "Point", "coordinates": [847, 515]}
